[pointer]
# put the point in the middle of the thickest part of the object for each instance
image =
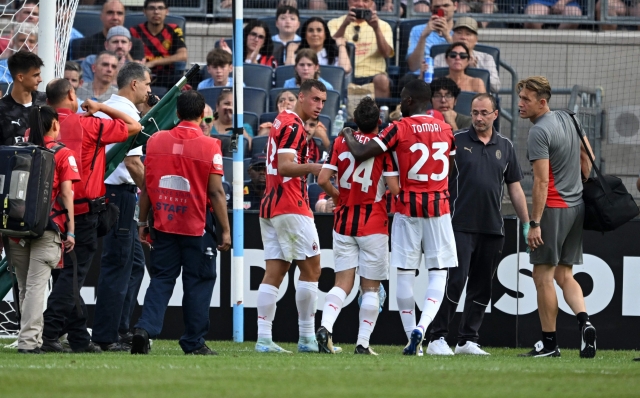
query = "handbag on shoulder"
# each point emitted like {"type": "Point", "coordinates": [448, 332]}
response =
{"type": "Point", "coordinates": [608, 204]}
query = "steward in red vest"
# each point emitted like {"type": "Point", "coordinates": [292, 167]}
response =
{"type": "Point", "coordinates": [183, 169]}
{"type": "Point", "coordinates": [86, 136]}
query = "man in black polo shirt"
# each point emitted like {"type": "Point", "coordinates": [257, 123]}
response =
{"type": "Point", "coordinates": [485, 160]}
{"type": "Point", "coordinates": [14, 108]}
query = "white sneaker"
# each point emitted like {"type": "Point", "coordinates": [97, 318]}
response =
{"type": "Point", "coordinates": [439, 347]}
{"type": "Point", "coordinates": [308, 344]}
{"type": "Point", "coordinates": [470, 348]}
{"type": "Point", "coordinates": [267, 345]}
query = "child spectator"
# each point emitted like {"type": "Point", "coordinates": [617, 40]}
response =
{"type": "Point", "coordinates": [219, 66]}
{"type": "Point", "coordinates": [287, 22]}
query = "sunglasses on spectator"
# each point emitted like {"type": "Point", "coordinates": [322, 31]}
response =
{"type": "Point", "coordinates": [356, 37]}
{"type": "Point", "coordinates": [207, 119]}
{"type": "Point", "coordinates": [259, 36]}
{"type": "Point", "coordinates": [454, 54]}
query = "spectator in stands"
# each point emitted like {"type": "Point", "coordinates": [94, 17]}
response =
{"type": "Point", "coordinates": [207, 120]}
{"type": "Point", "coordinates": [254, 190]}
{"type": "Point", "coordinates": [307, 67]}
{"type": "Point", "coordinates": [286, 100]}
{"type": "Point", "coordinates": [444, 96]}
{"type": "Point", "coordinates": [104, 73]}
{"type": "Point", "coordinates": [419, 6]}
{"type": "Point", "coordinates": [258, 46]}
{"type": "Point", "coordinates": [373, 39]}
{"type": "Point", "coordinates": [29, 12]}
{"type": "Point", "coordinates": [223, 116]}
{"type": "Point", "coordinates": [219, 66]}
{"type": "Point", "coordinates": [458, 60]}
{"type": "Point", "coordinates": [24, 39]}
{"type": "Point", "coordinates": [316, 36]}
{"type": "Point", "coordinates": [619, 8]}
{"type": "Point", "coordinates": [437, 31]}
{"type": "Point", "coordinates": [112, 15]}
{"type": "Point", "coordinates": [164, 47]}
{"type": "Point", "coordinates": [465, 31]}
{"type": "Point", "coordinates": [287, 22]}
{"type": "Point", "coordinates": [119, 43]}
{"type": "Point", "coordinates": [568, 8]}
{"type": "Point", "coordinates": [73, 73]}
{"type": "Point", "coordinates": [476, 7]}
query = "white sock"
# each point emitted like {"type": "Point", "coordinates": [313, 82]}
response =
{"type": "Point", "coordinates": [332, 307]}
{"type": "Point", "coordinates": [405, 300]}
{"type": "Point", "coordinates": [266, 302]}
{"type": "Point", "coordinates": [306, 294]}
{"type": "Point", "coordinates": [433, 298]}
{"type": "Point", "coordinates": [368, 317]}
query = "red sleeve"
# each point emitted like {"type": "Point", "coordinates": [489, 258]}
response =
{"type": "Point", "coordinates": [216, 165]}
{"type": "Point", "coordinates": [290, 138]}
{"type": "Point", "coordinates": [389, 166]}
{"type": "Point", "coordinates": [388, 137]}
{"type": "Point", "coordinates": [113, 131]}
{"type": "Point", "coordinates": [67, 166]}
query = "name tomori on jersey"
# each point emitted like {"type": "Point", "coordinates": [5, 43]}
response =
{"type": "Point", "coordinates": [426, 128]}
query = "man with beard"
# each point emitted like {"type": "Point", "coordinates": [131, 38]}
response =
{"type": "Point", "coordinates": [254, 190]}
{"type": "Point", "coordinates": [484, 162]}
{"type": "Point", "coordinates": [119, 43]}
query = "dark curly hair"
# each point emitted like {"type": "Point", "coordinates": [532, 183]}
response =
{"type": "Point", "coordinates": [444, 83]}
{"type": "Point", "coordinates": [330, 45]}
{"type": "Point", "coordinates": [366, 115]}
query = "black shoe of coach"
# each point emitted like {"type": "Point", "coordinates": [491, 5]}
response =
{"type": "Point", "coordinates": [91, 348]}
{"type": "Point", "coordinates": [53, 346]}
{"type": "Point", "coordinates": [204, 350]}
{"type": "Point", "coordinates": [140, 342]}
{"type": "Point", "coordinates": [115, 347]}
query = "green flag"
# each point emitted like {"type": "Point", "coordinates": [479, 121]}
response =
{"type": "Point", "coordinates": [161, 117]}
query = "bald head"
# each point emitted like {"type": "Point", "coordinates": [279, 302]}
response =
{"type": "Point", "coordinates": [58, 91]}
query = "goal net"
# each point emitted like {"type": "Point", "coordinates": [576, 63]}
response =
{"type": "Point", "coordinates": [19, 31]}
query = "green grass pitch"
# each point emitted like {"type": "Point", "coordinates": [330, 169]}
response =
{"type": "Point", "coordinates": [240, 372]}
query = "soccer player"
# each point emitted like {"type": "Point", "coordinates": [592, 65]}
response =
{"type": "Point", "coordinates": [286, 220]}
{"type": "Point", "coordinates": [422, 146]}
{"type": "Point", "coordinates": [360, 228]}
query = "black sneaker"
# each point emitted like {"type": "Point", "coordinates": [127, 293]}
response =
{"type": "Point", "coordinates": [204, 350]}
{"type": "Point", "coordinates": [115, 347]}
{"type": "Point", "coordinates": [36, 350]}
{"type": "Point", "coordinates": [588, 341]}
{"type": "Point", "coordinates": [125, 338]}
{"type": "Point", "coordinates": [637, 359]}
{"type": "Point", "coordinates": [325, 342]}
{"type": "Point", "coordinates": [540, 351]}
{"type": "Point", "coordinates": [53, 346]}
{"type": "Point", "coordinates": [91, 348]}
{"type": "Point", "coordinates": [364, 351]}
{"type": "Point", "coordinates": [140, 342]}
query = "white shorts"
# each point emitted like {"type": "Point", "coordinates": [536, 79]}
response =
{"type": "Point", "coordinates": [370, 254]}
{"type": "Point", "coordinates": [289, 237]}
{"type": "Point", "coordinates": [409, 235]}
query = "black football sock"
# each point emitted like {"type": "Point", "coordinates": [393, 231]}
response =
{"type": "Point", "coordinates": [583, 318]}
{"type": "Point", "coordinates": [549, 340]}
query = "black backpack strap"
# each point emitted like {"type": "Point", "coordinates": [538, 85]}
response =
{"type": "Point", "coordinates": [95, 154]}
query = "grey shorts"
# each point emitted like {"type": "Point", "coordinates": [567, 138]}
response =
{"type": "Point", "coordinates": [562, 236]}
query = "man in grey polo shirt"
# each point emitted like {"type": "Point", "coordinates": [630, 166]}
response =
{"type": "Point", "coordinates": [122, 264]}
{"type": "Point", "coordinates": [560, 162]}
{"type": "Point", "coordinates": [484, 162]}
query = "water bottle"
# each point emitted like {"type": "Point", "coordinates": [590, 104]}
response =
{"type": "Point", "coordinates": [338, 124]}
{"type": "Point", "coordinates": [209, 252]}
{"type": "Point", "coordinates": [384, 112]}
{"type": "Point", "coordinates": [428, 74]}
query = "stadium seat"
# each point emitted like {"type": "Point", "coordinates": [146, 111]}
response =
{"type": "Point", "coordinates": [463, 103]}
{"type": "Point", "coordinates": [326, 120]}
{"type": "Point", "coordinates": [283, 73]}
{"type": "Point", "coordinates": [319, 144]}
{"type": "Point", "coordinates": [225, 143]}
{"type": "Point", "coordinates": [314, 191]}
{"type": "Point", "coordinates": [473, 72]}
{"type": "Point", "coordinates": [256, 100]}
{"type": "Point", "coordinates": [483, 48]}
{"type": "Point", "coordinates": [332, 105]}
{"type": "Point", "coordinates": [87, 22]}
{"type": "Point", "coordinates": [252, 120]}
{"type": "Point", "coordinates": [403, 37]}
{"type": "Point", "coordinates": [259, 76]}
{"type": "Point", "coordinates": [268, 116]}
{"type": "Point", "coordinates": [259, 144]}
{"type": "Point", "coordinates": [227, 168]}
{"type": "Point", "coordinates": [228, 192]}
{"type": "Point", "coordinates": [334, 75]}
{"type": "Point", "coordinates": [159, 91]}
{"type": "Point", "coordinates": [211, 95]}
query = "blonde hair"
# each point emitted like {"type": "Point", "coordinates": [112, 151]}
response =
{"type": "Point", "coordinates": [538, 84]}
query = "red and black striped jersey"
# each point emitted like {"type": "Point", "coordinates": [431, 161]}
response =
{"type": "Point", "coordinates": [362, 207]}
{"type": "Point", "coordinates": [421, 146]}
{"type": "Point", "coordinates": [286, 195]}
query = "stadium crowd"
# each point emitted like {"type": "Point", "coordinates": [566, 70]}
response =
{"type": "Point", "coordinates": [302, 80]}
